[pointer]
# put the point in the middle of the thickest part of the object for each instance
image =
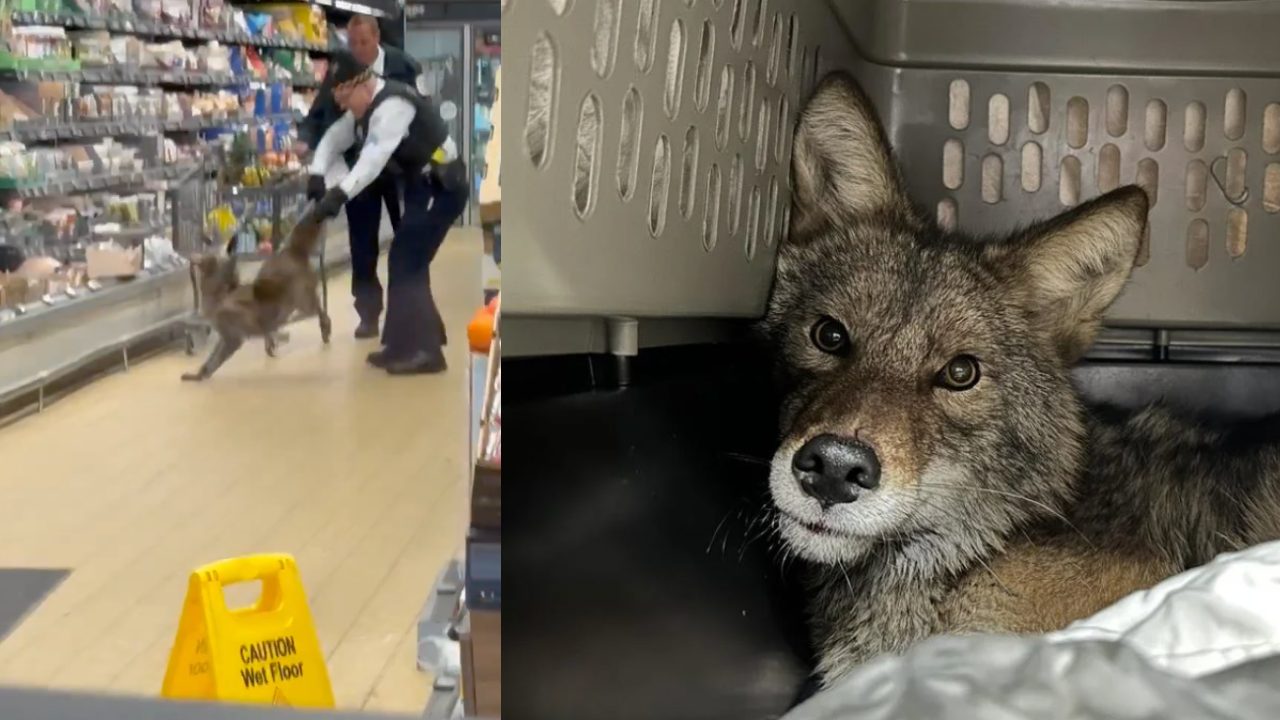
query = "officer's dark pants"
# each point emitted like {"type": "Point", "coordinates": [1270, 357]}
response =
{"type": "Point", "coordinates": [364, 221]}
{"type": "Point", "coordinates": [413, 321]}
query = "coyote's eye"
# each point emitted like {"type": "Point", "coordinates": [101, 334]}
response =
{"type": "Point", "coordinates": [829, 336]}
{"type": "Point", "coordinates": [960, 373]}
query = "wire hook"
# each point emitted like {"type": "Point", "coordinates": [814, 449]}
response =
{"type": "Point", "coordinates": [1213, 173]}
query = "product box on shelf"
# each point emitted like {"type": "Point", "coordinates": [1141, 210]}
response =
{"type": "Point", "coordinates": [301, 21]}
{"type": "Point", "coordinates": [108, 260]}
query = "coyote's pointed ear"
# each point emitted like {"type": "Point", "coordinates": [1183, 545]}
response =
{"type": "Point", "coordinates": [1068, 270]}
{"type": "Point", "coordinates": [841, 164]}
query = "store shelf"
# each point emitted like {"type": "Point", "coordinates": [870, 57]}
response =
{"type": "Point", "coordinates": [150, 76]}
{"type": "Point", "coordinates": [56, 344]}
{"type": "Point", "coordinates": [376, 8]}
{"type": "Point", "coordinates": [126, 25]}
{"type": "Point", "coordinates": [490, 277]}
{"type": "Point", "coordinates": [104, 181]}
{"type": "Point", "coordinates": [129, 234]}
{"type": "Point", "coordinates": [479, 373]}
{"type": "Point", "coordinates": [36, 132]}
{"type": "Point", "coordinates": [446, 693]}
{"type": "Point", "coordinates": [290, 186]}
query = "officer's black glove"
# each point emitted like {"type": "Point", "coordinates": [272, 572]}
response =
{"type": "Point", "coordinates": [315, 188]}
{"type": "Point", "coordinates": [332, 204]}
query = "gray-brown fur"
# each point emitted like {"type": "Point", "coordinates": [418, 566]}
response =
{"type": "Point", "coordinates": [215, 277]}
{"type": "Point", "coordinates": [285, 289]}
{"type": "Point", "coordinates": [1009, 506]}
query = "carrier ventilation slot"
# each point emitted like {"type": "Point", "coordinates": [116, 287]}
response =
{"type": "Point", "coordinates": [998, 119]}
{"type": "Point", "coordinates": [736, 26]}
{"type": "Point", "coordinates": [1198, 185]}
{"type": "Point", "coordinates": [746, 103]}
{"type": "Point", "coordinates": [586, 164]}
{"type": "Point", "coordinates": [711, 210]}
{"type": "Point", "coordinates": [723, 103]}
{"type": "Point", "coordinates": [674, 86]}
{"type": "Point", "coordinates": [762, 136]}
{"type": "Point", "coordinates": [953, 164]}
{"type": "Point", "coordinates": [753, 223]}
{"type": "Point", "coordinates": [1069, 181]}
{"type": "Point", "coordinates": [629, 142]}
{"type": "Point", "coordinates": [1144, 246]}
{"type": "Point", "coordinates": [1237, 232]}
{"type": "Point", "coordinates": [783, 132]}
{"type": "Point", "coordinates": [948, 214]}
{"type": "Point", "coordinates": [1032, 166]}
{"type": "Point", "coordinates": [757, 23]}
{"type": "Point", "coordinates": [1271, 189]}
{"type": "Point", "coordinates": [1234, 114]}
{"type": "Point", "coordinates": [605, 47]}
{"type": "Point", "coordinates": [1156, 126]}
{"type": "Point", "coordinates": [1149, 179]}
{"type": "Point", "coordinates": [1077, 122]}
{"type": "Point", "coordinates": [646, 35]}
{"type": "Point", "coordinates": [793, 47]}
{"type": "Point", "coordinates": [775, 52]}
{"type": "Point", "coordinates": [958, 104]}
{"type": "Point", "coordinates": [706, 55]}
{"type": "Point", "coordinates": [1271, 129]}
{"type": "Point", "coordinates": [1117, 111]}
{"type": "Point", "coordinates": [689, 171]}
{"type": "Point", "coordinates": [1198, 244]}
{"type": "Point", "coordinates": [1038, 108]}
{"type": "Point", "coordinates": [1194, 128]}
{"type": "Point", "coordinates": [659, 186]}
{"type": "Point", "coordinates": [771, 214]}
{"type": "Point", "coordinates": [735, 194]}
{"type": "Point", "coordinates": [542, 92]}
{"type": "Point", "coordinates": [1234, 188]}
{"type": "Point", "coordinates": [1108, 168]}
{"type": "Point", "coordinates": [992, 179]}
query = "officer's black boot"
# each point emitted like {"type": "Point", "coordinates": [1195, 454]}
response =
{"type": "Point", "coordinates": [368, 328]}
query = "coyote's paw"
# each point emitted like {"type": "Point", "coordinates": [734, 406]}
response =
{"type": "Point", "coordinates": [192, 377]}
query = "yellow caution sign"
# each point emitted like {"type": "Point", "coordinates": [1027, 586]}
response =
{"type": "Point", "coordinates": [266, 653]}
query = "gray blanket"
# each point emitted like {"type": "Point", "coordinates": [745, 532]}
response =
{"type": "Point", "coordinates": [1029, 678]}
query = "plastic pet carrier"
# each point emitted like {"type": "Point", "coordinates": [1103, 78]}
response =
{"type": "Point", "coordinates": [648, 190]}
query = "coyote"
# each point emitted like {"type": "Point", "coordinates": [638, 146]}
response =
{"type": "Point", "coordinates": [284, 290]}
{"type": "Point", "coordinates": [937, 468]}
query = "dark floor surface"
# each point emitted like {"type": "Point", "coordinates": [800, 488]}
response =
{"type": "Point", "coordinates": [21, 590]}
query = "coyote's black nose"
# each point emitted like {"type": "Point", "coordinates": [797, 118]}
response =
{"type": "Point", "coordinates": [832, 469]}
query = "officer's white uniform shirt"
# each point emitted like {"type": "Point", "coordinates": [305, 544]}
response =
{"type": "Point", "coordinates": [388, 126]}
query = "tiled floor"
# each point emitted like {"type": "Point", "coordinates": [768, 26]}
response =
{"type": "Point", "coordinates": [137, 479]}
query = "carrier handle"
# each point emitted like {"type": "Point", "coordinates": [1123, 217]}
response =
{"type": "Point", "coordinates": [245, 569]}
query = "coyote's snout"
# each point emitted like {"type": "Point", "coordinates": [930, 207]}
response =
{"type": "Point", "coordinates": [936, 462]}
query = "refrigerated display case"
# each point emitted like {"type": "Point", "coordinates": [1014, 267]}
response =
{"type": "Point", "coordinates": [459, 46]}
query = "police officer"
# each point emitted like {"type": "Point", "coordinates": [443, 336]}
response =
{"type": "Point", "coordinates": [364, 211]}
{"type": "Point", "coordinates": [398, 131]}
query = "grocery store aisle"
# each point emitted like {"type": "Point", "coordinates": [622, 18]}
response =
{"type": "Point", "coordinates": [139, 478]}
